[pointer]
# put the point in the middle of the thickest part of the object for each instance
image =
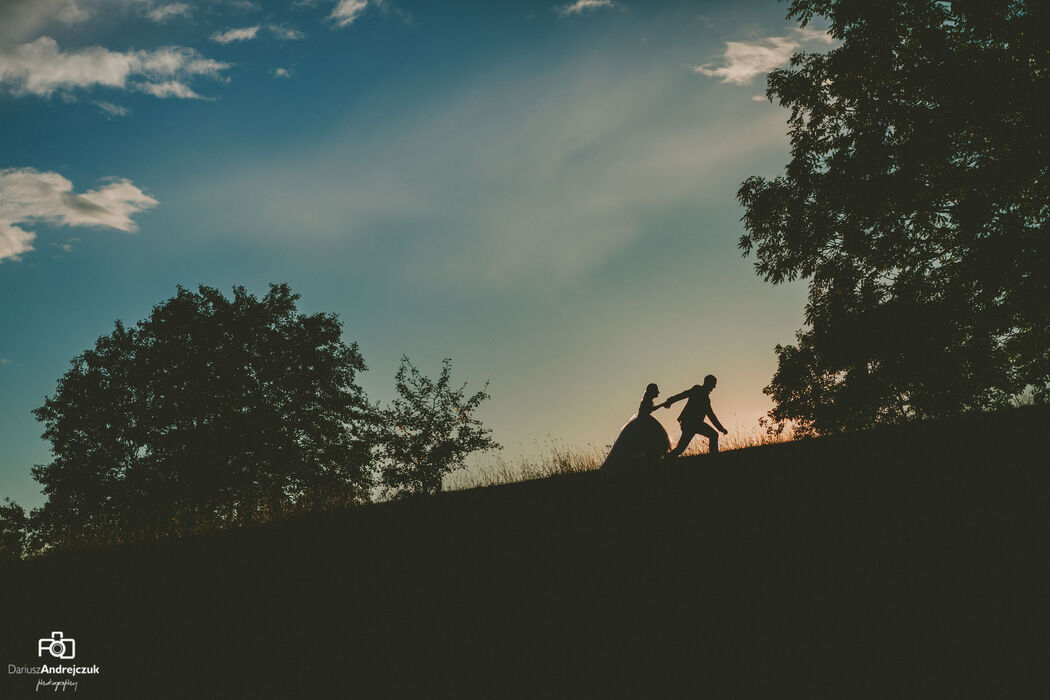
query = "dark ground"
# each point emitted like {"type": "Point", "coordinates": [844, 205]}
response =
{"type": "Point", "coordinates": [910, 562]}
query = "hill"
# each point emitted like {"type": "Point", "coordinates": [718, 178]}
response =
{"type": "Point", "coordinates": [901, 562]}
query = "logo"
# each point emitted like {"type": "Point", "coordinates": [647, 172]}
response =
{"type": "Point", "coordinates": [58, 646]}
{"type": "Point", "coordinates": [55, 676]}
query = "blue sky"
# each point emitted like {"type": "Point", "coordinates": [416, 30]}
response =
{"type": "Point", "coordinates": [544, 192]}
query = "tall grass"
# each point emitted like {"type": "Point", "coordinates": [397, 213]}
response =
{"type": "Point", "coordinates": [556, 457]}
{"type": "Point", "coordinates": [738, 440]}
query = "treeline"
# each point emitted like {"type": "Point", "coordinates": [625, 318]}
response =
{"type": "Point", "coordinates": [219, 411]}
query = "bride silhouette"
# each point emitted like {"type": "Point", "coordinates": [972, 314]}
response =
{"type": "Point", "coordinates": [642, 438]}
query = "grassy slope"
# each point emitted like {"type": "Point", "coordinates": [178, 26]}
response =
{"type": "Point", "coordinates": [907, 562]}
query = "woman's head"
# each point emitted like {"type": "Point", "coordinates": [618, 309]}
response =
{"type": "Point", "coordinates": [652, 391]}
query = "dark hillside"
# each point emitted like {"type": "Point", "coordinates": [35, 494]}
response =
{"type": "Point", "coordinates": [907, 562]}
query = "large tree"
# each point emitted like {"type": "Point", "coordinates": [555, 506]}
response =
{"type": "Point", "coordinates": [916, 204]}
{"type": "Point", "coordinates": [211, 411]}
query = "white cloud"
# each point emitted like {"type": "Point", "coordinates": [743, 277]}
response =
{"type": "Point", "coordinates": [170, 11]}
{"type": "Point", "coordinates": [231, 35]}
{"type": "Point", "coordinates": [282, 73]}
{"type": "Point", "coordinates": [581, 6]}
{"type": "Point", "coordinates": [286, 33]}
{"type": "Point", "coordinates": [346, 11]}
{"type": "Point", "coordinates": [14, 241]}
{"type": "Point", "coordinates": [21, 19]}
{"type": "Point", "coordinates": [42, 68]}
{"type": "Point", "coordinates": [744, 60]}
{"type": "Point", "coordinates": [4, 362]}
{"type": "Point", "coordinates": [28, 195]}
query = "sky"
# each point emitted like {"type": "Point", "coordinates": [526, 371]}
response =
{"type": "Point", "coordinates": [543, 192]}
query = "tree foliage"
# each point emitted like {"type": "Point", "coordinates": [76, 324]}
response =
{"type": "Point", "coordinates": [428, 430]}
{"type": "Point", "coordinates": [209, 412]}
{"type": "Point", "coordinates": [14, 531]}
{"type": "Point", "coordinates": [916, 204]}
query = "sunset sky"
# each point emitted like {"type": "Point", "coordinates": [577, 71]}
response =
{"type": "Point", "coordinates": [544, 192]}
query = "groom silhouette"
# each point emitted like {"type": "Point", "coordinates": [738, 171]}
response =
{"type": "Point", "coordinates": [697, 408]}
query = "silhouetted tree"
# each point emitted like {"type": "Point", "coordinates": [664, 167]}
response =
{"type": "Point", "coordinates": [211, 411]}
{"type": "Point", "coordinates": [916, 203]}
{"type": "Point", "coordinates": [428, 430]}
{"type": "Point", "coordinates": [14, 530]}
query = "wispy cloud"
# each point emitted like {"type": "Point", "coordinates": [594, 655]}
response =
{"type": "Point", "coordinates": [742, 61]}
{"type": "Point", "coordinates": [557, 173]}
{"type": "Point", "coordinates": [279, 31]}
{"type": "Point", "coordinates": [581, 6]}
{"type": "Point", "coordinates": [28, 195]}
{"type": "Point", "coordinates": [170, 88]}
{"type": "Point", "coordinates": [163, 13]}
{"type": "Point", "coordinates": [244, 5]}
{"type": "Point", "coordinates": [66, 247]}
{"type": "Point", "coordinates": [42, 68]}
{"type": "Point", "coordinates": [286, 33]}
{"type": "Point", "coordinates": [346, 11]}
{"type": "Point", "coordinates": [4, 362]}
{"type": "Point", "coordinates": [282, 73]}
{"type": "Point", "coordinates": [232, 35]}
{"type": "Point", "coordinates": [112, 110]}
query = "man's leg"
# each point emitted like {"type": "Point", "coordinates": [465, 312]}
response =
{"type": "Point", "coordinates": [712, 436]}
{"type": "Point", "coordinates": [687, 436]}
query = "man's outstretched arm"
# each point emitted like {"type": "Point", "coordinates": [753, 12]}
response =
{"type": "Point", "coordinates": [714, 419]}
{"type": "Point", "coordinates": [676, 397]}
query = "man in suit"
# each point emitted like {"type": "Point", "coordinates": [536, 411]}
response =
{"type": "Point", "coordinates": [697, 408]}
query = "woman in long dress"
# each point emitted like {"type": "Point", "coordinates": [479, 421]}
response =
{"type": "Point", "coordinates": [643, 438]}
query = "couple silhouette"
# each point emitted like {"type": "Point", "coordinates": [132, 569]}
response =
{"type": "Point", "coordinates": [645, 438]}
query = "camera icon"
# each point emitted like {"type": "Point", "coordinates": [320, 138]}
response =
{"type": "Point", "coordinates": [58, 646]}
